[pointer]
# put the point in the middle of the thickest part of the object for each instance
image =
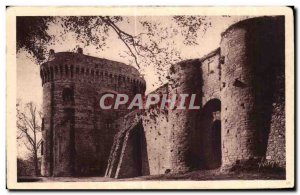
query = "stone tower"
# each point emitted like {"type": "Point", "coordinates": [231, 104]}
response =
{"type": "Point", "coordinates": [77, 135]}
{"type": "Point", "coordinates": [252, 77]}
{"type": "Point", "coordinates": [240, 89]}
{"type": "Point", "coordinates": [184, 79]}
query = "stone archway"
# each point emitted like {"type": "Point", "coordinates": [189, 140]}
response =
{"type": "Point", "coordinates": [139, 151]}
{"type": "Point", "coordinates": [210, 152]}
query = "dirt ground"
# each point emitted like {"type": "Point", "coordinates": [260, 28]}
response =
{"type": "Point", "coordinates": [195, 175]}
{"type": "Point", "coordinates": [215, 175]}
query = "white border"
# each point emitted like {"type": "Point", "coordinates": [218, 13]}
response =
{"type": "Point", "coordinates": [125, 11]}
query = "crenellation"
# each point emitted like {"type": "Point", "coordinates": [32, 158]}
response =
{"type": "Point", "coordinates": [239, 88]}
{"type": "Point", "coordinates": [81, 140]}
{"type": "Point", "coordinates": [238, 120]}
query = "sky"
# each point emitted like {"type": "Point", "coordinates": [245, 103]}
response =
{"type": "Point", "coordinates": [29, 87]}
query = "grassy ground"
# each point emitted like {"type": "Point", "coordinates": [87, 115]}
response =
{"type": "Point", "coordinates": [216, 175]}
{"type": "Point", "coordinates": [195, 175]}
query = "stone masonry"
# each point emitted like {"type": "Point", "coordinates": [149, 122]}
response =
{"type": "Point", "coordinates": [240, 88]}
{"type": "Point", "coordinates": [77, 134]}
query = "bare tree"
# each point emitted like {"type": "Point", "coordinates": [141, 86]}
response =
{"type": "Point", "coordinates": [29, 129]}
{"type": "Point", "coordinates": [153, 45]}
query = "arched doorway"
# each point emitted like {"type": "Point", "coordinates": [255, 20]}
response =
{"type": "Point", "coordinates": [131, 159]}
{"type": "Point", "coordinates": [210, 135]}
{"type": "Point", "coordinates": [139, 153]}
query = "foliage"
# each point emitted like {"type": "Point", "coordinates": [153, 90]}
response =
{"type": "Point", "coordinates": [32, 36]}
{"type": "Point", "coordinates": [191, 25]}
{"type": "Point", "coordinates": [152, 46]}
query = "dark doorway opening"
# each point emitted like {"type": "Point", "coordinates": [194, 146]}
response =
{"type": "Point", "coordinates": [207, 139]}
{"type": "Point", "coordinates": [216, 144]}
{"type": "Point", "coordinates": [138, 152]}
{"type": "Point", "coordinates": [140, 157]}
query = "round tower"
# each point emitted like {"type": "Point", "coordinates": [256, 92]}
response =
{"type": "Point", "coordinates": [77, 134]}
{"type": "Point", "coordinates": [252, 55]}
{"type": "Point", "coordinates": [184, 79]}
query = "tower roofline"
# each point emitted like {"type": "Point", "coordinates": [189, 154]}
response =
{"type": "Point", "coordinates": [248, 21]}
{"type": "Point", "coordinates": [66, 54]}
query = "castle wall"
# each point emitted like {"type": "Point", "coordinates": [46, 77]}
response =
{"type": "Point", "coordinates": [276, 147]}
{"type": "Point", "coordinates": [211, 76]}
{"type": "Point", "coordinates": [46, 166]}
{"type": "Point", "coordinates": [185, 79]}
{"type": "Point", "coordinates": [78, 134]}
{"type": "Point", "coordinates": [157, 131]}
{"type": "Point", "coordinates": [205, 146]}
{"type": "Point", "coordinates": [63, 125]}
{"type": "Point", "coordinates": [133, 159]}
{"type": "Point", "coordinates": [155, 148]}
{"type": "Point", "coordinates": [239, 87]}
{"type": "Point", "coordinates": [88, 133]}
{"type": "Point", "coordinates": [129, 154]}
{"type": "Point", "coordinates": [240, 90]}
{"type": "Point", "coordinates": [161, 125]}
{"type": "Point", "coordinates": [237, 100]}
{"type": "Point", "coordinates": [276, 151]}
{"type": "Point", "coordinates": [253, 51]}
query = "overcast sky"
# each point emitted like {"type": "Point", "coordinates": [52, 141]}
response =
{"type": "Point", "coordinates": [29, 86]}
{"type": "Point", "coordinates": [29, 83]}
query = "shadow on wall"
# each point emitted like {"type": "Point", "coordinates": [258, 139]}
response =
{"type": "Point", "coordinates": [206, 142]}
{"type": "Point", "coordinates": [140, 154]}
{"type": "Point", "coordinates": [133, 160]}
{"type": "Point", "coordinates": [266, 58]}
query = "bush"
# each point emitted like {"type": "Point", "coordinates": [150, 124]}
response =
{"type": "Point", "coordinates": [25, 167]}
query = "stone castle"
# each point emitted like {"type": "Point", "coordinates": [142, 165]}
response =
{"type": "Point", "coordinates": [240, 87]}
{"type": "Point", "coordinates": [77, 134]}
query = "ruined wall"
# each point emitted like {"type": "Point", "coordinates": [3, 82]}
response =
{"type": "Point", "coordinates": [157, 131]}
{"type": "Point", "coordinates": [129, 156]}
{"type": "Point", "coordinates": [77, 134]}
{"type": "Point", "coordinates": [252, 53]}
{"type": "Point", "coordinates": [154, 134]}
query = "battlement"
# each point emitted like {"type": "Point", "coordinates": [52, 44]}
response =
{"type": "Point", "coordinates": [239, 88]}
{"type": "Point", "coordinates": [78, 67]}
{"type": "Point", "coordinates": [72, 85]}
